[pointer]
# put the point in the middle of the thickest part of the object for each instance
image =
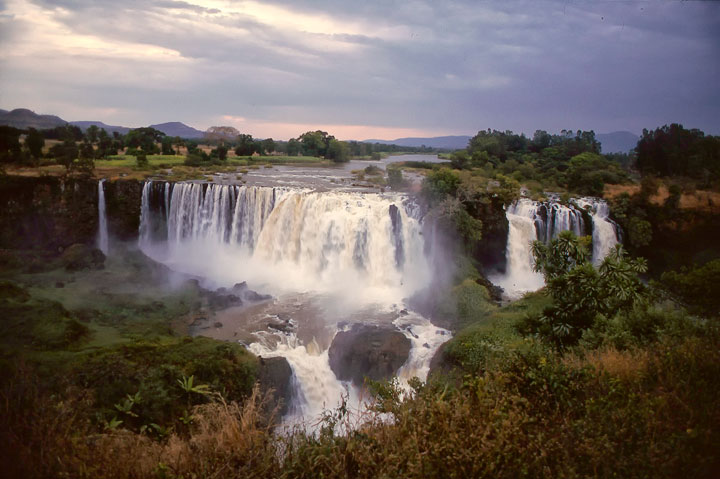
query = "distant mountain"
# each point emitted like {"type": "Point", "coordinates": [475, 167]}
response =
{"type": "Point", "coordinates": [24, 118]}
{"type": "Point", "coordinates": [84, 125]}
{"type": "Point", "coordinates": [443, 142]}
{"type": "Point", "coordinates": [175, 128]}
{"type": "Point", "coordinates": [617, 141]}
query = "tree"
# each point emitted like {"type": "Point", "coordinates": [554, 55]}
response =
{"type": "Point", "coordinates": [588, 172]}
{"type": "Point", "coordinates": [86, 150]}
{"type": "Point", "coordinates": [696, 288]}
{"type": "Point", "coordinates": [395, 178]}
{"type": "Point", "coordinates": [245, 145]}
{"type": "Point", "coordinates": [315, 143]}
{"type": "Point", "coordinates": [221, 133]}
{"type": "Point", "coordinates": [141, 159]}
{"type": "Point", "coordinates": [106, 145]}
{"type": "Point", "coordinates": [179, 143]}
{"type": "Point", "coordinates": [92, 133]}
{"type": "Point", "coordinates": [65, 153]}
{"type": "Point", "coordinates": [145, 139]}
{"type": "Point", "coordinates": [167, 144]}
{"type": "Point", "coordinates": [338, 151]}
{"type": "Point", "coordinates": [674, 151]}
{"type": "Point", "coordinates": [440, 184]}
{"type": "Point", "coordinates": [34, 141]}
{"type": "Point", "coordinates": [268, 145]}
{"type": "Point", "coordinates": [220, 152]}
{"type": "Point", "coordinates": [293, 147]}
{"type": "Point", "coordinates": [10, 150]}
{"type": "Point", "coordinates": [581, 293]}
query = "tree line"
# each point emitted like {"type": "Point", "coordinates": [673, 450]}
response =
{"type": "Point", "coordinates": [76, 150]}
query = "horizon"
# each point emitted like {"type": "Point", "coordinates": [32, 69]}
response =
{"type": "Point", "coordinates": [366, 139]}
{"type": "Point", "coordinates": [370, 71]}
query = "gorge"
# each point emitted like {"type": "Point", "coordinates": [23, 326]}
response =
{"type": "Point", "coordinates": [333, 261]}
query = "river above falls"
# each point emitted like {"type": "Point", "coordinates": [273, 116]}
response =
{"type": "Point", "coordinates": [322, 177]}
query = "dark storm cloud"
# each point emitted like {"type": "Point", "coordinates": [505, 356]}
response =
{"type": "Point", "coordinates": [435, 66]}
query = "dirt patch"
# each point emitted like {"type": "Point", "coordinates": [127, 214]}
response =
{"type": "Point", "coordinates": [698, 200]}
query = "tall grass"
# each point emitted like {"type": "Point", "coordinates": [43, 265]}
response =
{"type": "Point", "coordinates": [645, 413]}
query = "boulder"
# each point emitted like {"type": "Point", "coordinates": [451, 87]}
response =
{"type": "Point", "coordinates": [275, 379]}
{"type": "Point", "coordinates": [368, 351]}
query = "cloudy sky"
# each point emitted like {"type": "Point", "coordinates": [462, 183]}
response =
{"type": "Point", "coordinates": [365, 69]}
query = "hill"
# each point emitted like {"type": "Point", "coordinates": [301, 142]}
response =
{"type": "Point", "coordinates": [176, 128]}
{"type": "Point", "coordinates": [23, 118]}
{"type": "Point", "coordinates": [617, 141]}
{"type": "Point", "coordinates": [84, 125]}
{"type": "Point", "coordinates": [442, 142]}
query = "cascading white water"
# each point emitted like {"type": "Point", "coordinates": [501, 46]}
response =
{"type": "Point", "coordinates": [531, 220]}
{"type": "Point", "coordinates": [604, 231]}
{"type": "Point", "coordinates": [353, 250]}
{"type": "Point", "coordinates": [425, 339]}
{"type": "Point", "coordinates": [102, 235]}
{"type": "Point", "coordinates": [524, 223]}
{"type": "Point", "coordinates": [286, 240]}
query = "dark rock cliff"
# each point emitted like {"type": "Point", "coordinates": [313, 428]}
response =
{"type": "Point", "coordinates": [52, 213]}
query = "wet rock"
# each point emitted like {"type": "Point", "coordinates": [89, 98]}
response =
{"type": "Point", "coordinates": [242, 290]}
{"type": "Point", "coordinates": [368, 351]}
{"type": "Point", "coordinates": [275, 378]}
{"type": "Point", "coordinates": [250, 295]}
{"type": "Point", "coordinates": [80, 256]}
{"type": "Point", "coordinates": [223, 301]}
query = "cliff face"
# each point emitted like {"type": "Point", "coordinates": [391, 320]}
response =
{"type": "Point", "coordinates": [123, 199]}
{"type": "Point", "coordinates": [50, 213]}
{"type": "Point", "coordinates": [491, 251]}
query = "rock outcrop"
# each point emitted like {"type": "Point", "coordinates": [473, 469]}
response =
{"type": "Point", "coordinates": [275, 378]}
{"type": "Point", "coordinates": [368, 351]}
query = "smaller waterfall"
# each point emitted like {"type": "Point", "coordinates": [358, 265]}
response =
{"type": "Point", "coordinates": [604, 231]}
{"type": "Point", "coordinates": [425, 339]}
{"type": "Point", "coordinates": [525, 222]}
{"type": "Point", "coordinates": [531, 220]}
{"type": "Point", "coordinates": [102, 236]}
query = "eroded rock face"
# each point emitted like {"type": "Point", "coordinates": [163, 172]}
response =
{"type": "Point", "coordinates": [368, 351]}
{"type": "Point", "coordinates": [275, 376]}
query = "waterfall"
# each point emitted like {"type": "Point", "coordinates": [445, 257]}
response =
{"type": "Point", "coordinates": [301, 239]}
{"type": "Point", "coordinates": [102, 236]}
{"type": "Point", "coordinates": [525, 222]}
{"type": "Point", "coordinates": [350, 251]}
{"type": "Point", "coordinates": [531, 220]}
{"type": "Point", "coordinates": [604, 230]}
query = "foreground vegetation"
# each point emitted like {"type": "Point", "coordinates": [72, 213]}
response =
{"type": "Point", "coordinates": [103, 389]}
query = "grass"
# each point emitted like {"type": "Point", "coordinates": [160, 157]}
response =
{"type": "Point", "coordinates": [634, 415]}
{"type": "Point", "coordinates": [153, 160]}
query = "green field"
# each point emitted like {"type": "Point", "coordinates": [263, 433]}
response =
{"type": "Point", "coordinates": [176, 160]}
{"type": "Point", "coordinates": [127, 160]}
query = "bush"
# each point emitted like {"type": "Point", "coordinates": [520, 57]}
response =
{"type": "Point", "coordinates": [142, 160]}
{"type": "Point", "coordinates": [696, 288]}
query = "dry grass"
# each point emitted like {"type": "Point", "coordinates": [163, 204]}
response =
{"type": "Point", "coordinates": [626, 365]}
{"type": "Point", "coordinates": [225, 440]}
{"type": "Point", "coordinates": [698, 200]}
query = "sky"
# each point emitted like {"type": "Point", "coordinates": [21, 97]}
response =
{"type": "Point", "coordinates": [364, 69]}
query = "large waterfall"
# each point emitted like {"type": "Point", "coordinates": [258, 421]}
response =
{"type": "Point", "coordinates": [532, 220]}
{"type": "Point", "coordinates": [102, 235]}
{"type": "Point", "coordinates": [357, 255]}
